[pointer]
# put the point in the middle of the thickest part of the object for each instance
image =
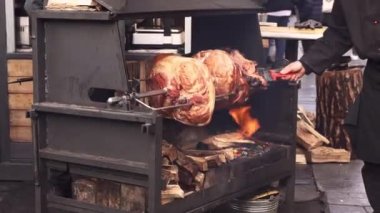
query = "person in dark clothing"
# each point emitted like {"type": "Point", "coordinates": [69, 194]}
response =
{"type": "Point", "coordinates": [31, 5]}
{"type": "Point", "coordinates": [279, 12]}
{"type": "Point", "coordinates": [354, 24]}
{"type": "Point", "coordinates": [309, 10]}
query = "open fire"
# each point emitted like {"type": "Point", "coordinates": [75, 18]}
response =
{"type": "Point", "coordinates": [248, 124]}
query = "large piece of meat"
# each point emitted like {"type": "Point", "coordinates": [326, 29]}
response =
{"type": "Point", "coordinates": [232, 73]}
{"type": "Point", "coordinates": [228, 78]}
{"type": "Point", "coordinates": [184, 78]}
{"type": "Point", "coordinates": [247, 67]}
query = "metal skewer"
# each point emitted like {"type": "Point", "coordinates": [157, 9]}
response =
{"type": "Point", "coordinates": [163, 108]}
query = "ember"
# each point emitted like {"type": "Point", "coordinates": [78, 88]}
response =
{"type": "Point", "coordinates": [243, 118]}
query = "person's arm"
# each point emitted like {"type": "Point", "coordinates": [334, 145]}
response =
{"type": "Point", "coordinates": [335, 42]}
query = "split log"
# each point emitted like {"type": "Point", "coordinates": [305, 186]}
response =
{"type": "Point", "coordinates": [328, 155]}
{"type": "Point", "coordinates": [307, 136]}
{"type": "Point", "coordinates": [199, 181]}
{"type": "Point", "coordinates": [188, 170]}
{"type": "Point", "coordinates": [201, 162]}
{"type": "Point", "coordinates": [169, 175]}
{"type": "Point", "coordinates": [84, 190]}
{"type": "Point", "coordinates": [169, 151]}
{"type": "Point", "coordinates": [336, 92]}
{"type": "Point", "coordinates": [228, 153]}
{"type": "Point", "coordinates": [172, 192]}
{"type": "Point", "coordinates": [114, 194]}
{"type": "Point", "coordinates": [165, 201]}
{"type": "Point", "coordinates": [216, 176]}
{"type": "Point", "coordinates": [205, 162]}
{"type": "Point", "coordinates": [300, 156]}
{"type": "Point", "coordinates": [133, 198]}
{"type": "Point", "coordinates": [166, 161]}
{"type": "Point", "coordinates": [301, 112]}
{"type": "Point", "coordinates": [186, 179]}
{"type": "Point", "coordinates": [187, 163]}
{"type": "Point", "coordinates": [108, 194]}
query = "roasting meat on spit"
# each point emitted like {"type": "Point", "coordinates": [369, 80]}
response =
{"type": "Point", "coordinates": [232, 73]}
{"type": "Point", "coordinates": [186, 80]}
{"type": "Point", "coordinates": [248, 68]}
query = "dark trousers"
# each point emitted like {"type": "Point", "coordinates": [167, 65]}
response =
{"type": "Point", "coordinates": [282, 21]}
{"type": "Point", "coordinates": [371, 178]}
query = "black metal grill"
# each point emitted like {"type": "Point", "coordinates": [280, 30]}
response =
{"type": "Point", "coordinates": [75, 135]}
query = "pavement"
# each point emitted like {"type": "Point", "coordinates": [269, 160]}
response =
{"type": "Point", "coordinates": [320, 188]}
{"type": "Point", "coordinates": [341, 184]}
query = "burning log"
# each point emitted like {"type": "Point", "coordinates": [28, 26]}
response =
{"type": "Point", "coordinates": [242, 116]}
{"type": "Point", "coordinates": [226, 140]}
{"type": "Point", "coordinates": [227, 154]}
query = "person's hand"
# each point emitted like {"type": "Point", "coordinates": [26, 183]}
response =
{"type": "Point", "coordinates": [294, 71]}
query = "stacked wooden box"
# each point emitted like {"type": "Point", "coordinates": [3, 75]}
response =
{"type": "Point", "coordinates": [20, 100]}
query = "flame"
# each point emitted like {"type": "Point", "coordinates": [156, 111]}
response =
{"type": "Point", "coordinates": [242, 116]}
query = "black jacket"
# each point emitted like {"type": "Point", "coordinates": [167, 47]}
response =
{"type": "Point", "coordinates": [277, 5]}
{"type": "Point", "coordinates": [31, 5]}
{"type": "Point", "coordinates": [355, 24]}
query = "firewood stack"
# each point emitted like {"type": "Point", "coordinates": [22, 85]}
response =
{"type": "Point", "coordinates": [315, 146]}
{"type": "Point", "coordinates": [183, 172]}
{"type": "Point", "coordinates": [186, 170]}
{"type": "Point", "coordinates": [110, 194]}
{"type": "Point", "coordinates": [189, 170]}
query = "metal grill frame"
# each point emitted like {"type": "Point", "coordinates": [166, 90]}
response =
{"type": "Point", "coordinates": [50, 113]}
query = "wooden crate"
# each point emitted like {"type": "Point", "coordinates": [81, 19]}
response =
{"type": "Point", "coordinates": [18, 118]}
{"type": "Point", "coordinates": [20, 99]}
{"type": "Point", "coordinates": [23, 88]}
{"type": "Point", "coordinates": [21, 134]}
{"type": "Point", "coordinates": [20, 68]}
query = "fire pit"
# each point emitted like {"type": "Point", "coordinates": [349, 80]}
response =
{"type": "Point", "coordinates": [109, 157]}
